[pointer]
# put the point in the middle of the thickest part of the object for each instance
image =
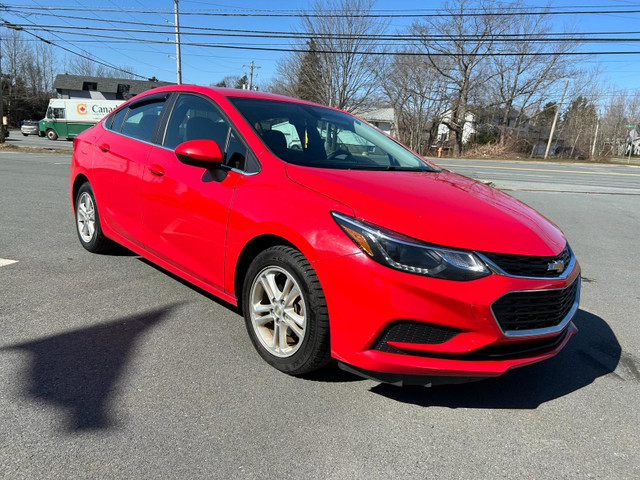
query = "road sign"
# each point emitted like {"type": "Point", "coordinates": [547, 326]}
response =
{"type": "Point", "coordinates": [631, 125]}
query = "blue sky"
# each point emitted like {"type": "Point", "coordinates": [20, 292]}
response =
{"type": "Point", "coordinates": [208, 65]}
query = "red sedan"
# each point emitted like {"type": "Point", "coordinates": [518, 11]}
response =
{"type": "Point", "coordinates": [333, 238]}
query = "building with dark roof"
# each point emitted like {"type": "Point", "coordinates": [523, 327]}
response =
{"type": "Point", "coordinates": [101, 88]}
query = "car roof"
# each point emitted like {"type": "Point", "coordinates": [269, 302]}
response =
{"type": "Point", "coordinates": [228, 93]}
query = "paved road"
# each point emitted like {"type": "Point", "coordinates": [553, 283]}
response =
{"type": "Point", "coordinates": [558, 177]}
{"type": "Point", "coordinates": [111, 368]}
{"type": "Point", "coordinates": [16, 138]}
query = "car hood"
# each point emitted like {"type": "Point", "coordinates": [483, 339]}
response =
{"type": "Point", "coordinates": [437, 207]}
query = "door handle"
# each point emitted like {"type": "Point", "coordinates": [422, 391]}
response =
{"type": "Point", "coordinates": [156, 169]}
{"type": "Point", "coordinates": [105, 147]}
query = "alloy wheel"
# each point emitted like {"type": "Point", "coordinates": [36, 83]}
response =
{"type": "Point", "coordinates": [86, 217]}
{"type": "Point", "coordinates": [278, 311]}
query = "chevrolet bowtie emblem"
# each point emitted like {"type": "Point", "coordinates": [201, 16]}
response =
{"type": "Point", "coordinates": [556, 266]}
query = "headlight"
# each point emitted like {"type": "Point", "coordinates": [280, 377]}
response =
{"type": "Point", "coordinates": [409, 255]}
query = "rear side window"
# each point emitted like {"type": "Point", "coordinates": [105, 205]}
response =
{"type": "Point", "coordinates": [141, 120]}
{"type": "Point", "coordinates": [115, 122]}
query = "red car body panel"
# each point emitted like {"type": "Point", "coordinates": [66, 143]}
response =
{"type": "Point", "coordinates": [174, 215]}
{"type": "Point", "coordinates": [184, 218]}
{"type": "Point", "coordinates": [118, 164]}
{"type": "Point", "coordinates": [443, 208]}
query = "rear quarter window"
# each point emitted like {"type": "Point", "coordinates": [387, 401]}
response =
{"type": "Point", "coordinates": [114, 122]}
{"type": "Point", "coordinates": [141, 120]}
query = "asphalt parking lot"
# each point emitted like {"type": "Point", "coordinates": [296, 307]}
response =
{"type": "Point", "coordinates": [16, 138]}
{"type": "Point", "coordinates": [113, 368]}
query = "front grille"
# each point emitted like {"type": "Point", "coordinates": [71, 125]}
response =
{"type": "Point", "coordinates": [531, 310]}
{"type": "Point", "coordinates": [530, 265]}
{"type": "Point", "coordinates": [408, 331]}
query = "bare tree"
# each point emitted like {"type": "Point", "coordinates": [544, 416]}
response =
{"type": "Point", "coordinates": [28, 75]}
{"type": "Point", "coordinates": [417, 94]}
{"type": "Point", "coordinates": [346, 77]}
{"type": "Point", "coordinates": [88, 68]}
{"type": "Point", "coordinates": [524, 76]}
{"type": "Point", "coordinates": [458, 46]}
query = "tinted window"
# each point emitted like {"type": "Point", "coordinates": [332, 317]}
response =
{"type": "Point", "coordinates": [195, 118]}
{"type": "Point", "coordinates": [141, 120]}
{"type": "Point", "coordinates": [116, 119]}
{"type": "Point", "coordinates": [236, 153]}
{"type": "Point", "coordinates": [323, 137]}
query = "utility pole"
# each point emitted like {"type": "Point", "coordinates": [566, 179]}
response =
{"type": "Point", "coordinates": [595, 137]}
{"type": "Point", "coordinates": [178, 60]}
{"type": "Point", "coordinates": [251, 67]}
{"type": "Point", "coordinates": [555, 120]}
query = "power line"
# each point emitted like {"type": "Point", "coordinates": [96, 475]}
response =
{"type": "Point", "coordinates": [260, 47]}
{"type": "Point", "coordinates": [288, 13]}
{"type": "Point", "coordinates": [379, 37]}
{"type": "Point", "coordinates": [100, 62]}
{"type": "Point", "coordinates": [310, 34]}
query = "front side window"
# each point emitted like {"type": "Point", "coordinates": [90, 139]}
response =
{"type": "Point", "coordinates": [141, 120]}
{"type": "Point", "coordinates": [322, 137]}
{"type": "Point", "coordinates": [196, 118]}
{"type": "Point", "coordinates": [58, 113]}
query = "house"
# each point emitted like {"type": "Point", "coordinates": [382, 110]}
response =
{"type": "Point", "coordinates": [485, 121]}
{"type": "Point", "coordinates": [538, 136]}
{"type": "Point", "coordinates": [632, 143]}
{"type": "Point", "coordinates": [101, 88]}
{"type": "Point", "coordinates": [383, 118]}
{"type": "Point", "coordinates": [468, 129]}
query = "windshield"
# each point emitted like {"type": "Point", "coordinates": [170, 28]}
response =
{"type": "Point", "coordinates": [321, 137]}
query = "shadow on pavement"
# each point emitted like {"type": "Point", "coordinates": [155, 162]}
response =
{"type": "Point", "coordinates": [77, 371]}
{"type": "Point", "coordinates": [193, 287]}
{"type": "Point", "coordinates": [590, 354]}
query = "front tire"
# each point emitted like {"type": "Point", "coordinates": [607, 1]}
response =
{"type": "Point", "coordinates": [51, 134]}
{"type": "Point", "coordinates": [88, 222]}
{"type": "Point", "coordinates": [285, 311]}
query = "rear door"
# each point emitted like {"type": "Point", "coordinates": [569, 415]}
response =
{"type": "Point", "coordinates": [186, 208]}
{"type": "Point", "coordinates": [119, 162]}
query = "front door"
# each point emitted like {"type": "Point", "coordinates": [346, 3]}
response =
{"type": "Point", "coordinates": [186, 208]}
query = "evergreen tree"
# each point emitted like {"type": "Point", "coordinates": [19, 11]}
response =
{"type": "Point", "coordinates": [309, 75]}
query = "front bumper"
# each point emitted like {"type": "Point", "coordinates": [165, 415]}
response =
{"type": "Point", "coordinates": [364, 298]}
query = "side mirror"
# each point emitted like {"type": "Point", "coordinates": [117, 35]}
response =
{"type": "Point", "coordinates": [199, 153]}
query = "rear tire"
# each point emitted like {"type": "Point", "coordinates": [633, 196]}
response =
{"type": "Point", "coordinates": [88, 222]}
{"type": "Point", "coordinates": [285, 311]}
{"type": "Point", "coordinates": [52, 135]}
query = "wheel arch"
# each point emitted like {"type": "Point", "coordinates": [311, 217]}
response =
{"type": "Point", "coordinates": [80, 180]}
{"type": "Point", "coordinates": [248, 253]}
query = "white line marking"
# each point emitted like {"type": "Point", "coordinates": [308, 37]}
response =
{"type": "Point", "coordinates": [4, 262]}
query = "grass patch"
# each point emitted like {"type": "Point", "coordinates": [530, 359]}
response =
{"type": "Point", "coordinates": [11, 147]}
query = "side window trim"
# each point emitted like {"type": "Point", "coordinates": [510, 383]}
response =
{"type": "Point", "coordinates": [163, 120]}
{"type": "Point", "coordinates": [165, 97]}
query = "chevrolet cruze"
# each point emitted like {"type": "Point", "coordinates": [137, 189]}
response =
{"type": "Point", "coordinates": [333, 239]}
